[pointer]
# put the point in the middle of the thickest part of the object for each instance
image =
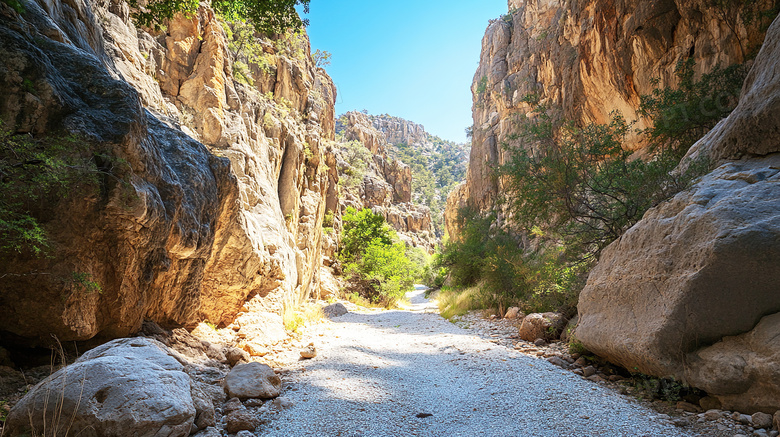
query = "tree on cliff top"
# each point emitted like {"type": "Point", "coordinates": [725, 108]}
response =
{"type": "Point", "coordinates": [270, 17]}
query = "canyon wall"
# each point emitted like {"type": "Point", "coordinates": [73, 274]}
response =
{"type": "Point", "coordinates": [386, 187]}
{"type": "Point", "coordinates": [689, 292]}
{"type": "Point", "coordinates": [585, 60]}
{"type": "Point", "coordinates": [212, 197]}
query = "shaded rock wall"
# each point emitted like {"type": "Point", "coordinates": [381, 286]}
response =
{"type": "Point", "coordinates": [224, 189]}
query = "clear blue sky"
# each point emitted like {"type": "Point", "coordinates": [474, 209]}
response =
{"type": "Point", "coordinates": [413, 59]}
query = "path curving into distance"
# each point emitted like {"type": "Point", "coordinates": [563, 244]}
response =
{"type": "Point", "coordinates": [413, 373]}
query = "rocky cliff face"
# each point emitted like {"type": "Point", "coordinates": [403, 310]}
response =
{"type": "Point", "coordinates": [386, 187]}
{"type": "Point", "coordinates": [397, 130]}
{"type": "Point", "coordinates": [688, 292]}
{"type": "Point", "coordinates": [691, 290]}
{"type": "Point", "coordinates": [220, 190]}
{"type": "Point", "coordinates": [586, 60]}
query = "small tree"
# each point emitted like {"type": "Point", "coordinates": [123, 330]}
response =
{"type": "Point", "coordinates": [321, 58]}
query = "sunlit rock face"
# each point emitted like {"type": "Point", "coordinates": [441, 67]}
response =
{"type": "Point", "coordinates": [587, 59]}
{"type": "Point", "coordinates": [223, 185]}
{"type": "Point", "coordinates": [691, 290]}
{"type": "Point", "coordinates": [387, 185]}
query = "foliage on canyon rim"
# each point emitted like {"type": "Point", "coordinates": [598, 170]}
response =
{"type": "Point", "coordinates": [269, 17]}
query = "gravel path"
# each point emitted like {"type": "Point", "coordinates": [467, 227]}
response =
{"type": "Point", "coordinates": [378, 372]}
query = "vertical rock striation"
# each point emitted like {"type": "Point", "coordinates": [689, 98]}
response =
{"type": "Point", "coordinates": [586, 60]}
{"type": "Point", "coordinates": [218, 189]}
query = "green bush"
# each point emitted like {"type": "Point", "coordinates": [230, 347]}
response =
{"type": "Point", "coordinates": [500, 272]}
{"type": "Point", "coordinates": [376, 264]}
{"type": "Point", "coordinates": [35, 172]}
{"type": "Point", "coordinates": [267, 17]}
{"type": "Point", "coordinates": [571, 190]}
{"type": "Point", "coordinates": [682, 115]}
{"type": "Point", "coordinates": [357, 156]}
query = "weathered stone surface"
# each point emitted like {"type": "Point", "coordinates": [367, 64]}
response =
{"type": "Point", "coordinates": [125, 387]}
{"type": "Point", "coordinates": [514, 313]}
{"type": "Point", "coordinates": [241, 420]}
{"type": "Point", "coordinates": [691, 290]}
{"type": "Point", "coordinates": [738, 370]}
{"type": "Point", "coordinates": [587, 59]}
{"type": "Point", "coordinates": [537, 325]}
{"type": "Point", "coordinates": [692, 276]}
{"type": "Point", "coordinates": [253, 380]}
{"type": "Point", "coordinates": [192, 230]}
{"type": "Point", "coordinates": [309, 352]}
{"type": "Point", "coordinates": [329, 285]}
{"type": "Point", "coordinates": [754, 126]}
{"type": "Point", "coordinates": [761, 420]}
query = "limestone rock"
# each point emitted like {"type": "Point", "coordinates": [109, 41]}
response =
{"type": "Point", "coordinates": [235, 355]}
{"type": "Point", "coordinates": [309, 352]}
{"type": "Point", "coordinates": [514, 313]}
{"type": "Point", "coordinates": [690, 290]}
{"type": "Point", "coordinates": [329, 285]}
{"type": "Point", "coordinates": [735, 369]}
{"type": "Point", "coordinates": [253, 380]}
{"type": "Point", "coordinates": [696, 250]}
{"type": "Point", "coordinates": [752, 128]}
{"type": "Point", "coordinates": [587, 59]}
{"type": "Point", "coordinates": [538, 325]}
{"type": "Point", "coordinates": [128, 386]}
{"type": "Point", "coordinates": [241, 420]}
{"type": "Point", "coordinates": [195, 218]}
{"type": "Point", "coordinates": [282, 403]}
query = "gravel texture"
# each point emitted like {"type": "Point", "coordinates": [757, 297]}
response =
{"type": "Point", "coordinates": [400, 373]}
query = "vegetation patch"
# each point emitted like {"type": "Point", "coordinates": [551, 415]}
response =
{"type": "Point", "coordinates": [375, 261]}
{"type": "Point", "coordinates": [572, 189]}
{"type": "Point", "coordinates": [38, 172]}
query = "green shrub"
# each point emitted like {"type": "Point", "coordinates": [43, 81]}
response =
{"type": "Point", "coordinates": [376, 264]}
{"type": "Point", "coordinates": [36, 172]}
{"type": "Point", "coordinates": [482, 86]}
{"type": "Point", "coordinates": [574, 189]}
{"type": "Point", "coordinates": [357, 156]}
{"type": "Point", "coordinates": [682, 115]}
{"type": "Point", "coordinates": [245, 47]}
{"type": "Point", "coordinates": [267, 17]}
{"type": "Point", "coordinates": [327, 219]}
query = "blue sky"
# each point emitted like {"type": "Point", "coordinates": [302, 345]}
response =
{"type": "Point", "coordinates": [413, 59]}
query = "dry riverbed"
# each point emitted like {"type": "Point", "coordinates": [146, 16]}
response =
{"type": "Point", "coordinates": [410, 372]}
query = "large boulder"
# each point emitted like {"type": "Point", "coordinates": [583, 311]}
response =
{"type": "Point", "coordinates": [695, 269]}
{"type": "Point", "coordinates": [681, 294]}
{"type": "Point", "coordinates": [125, 387]}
